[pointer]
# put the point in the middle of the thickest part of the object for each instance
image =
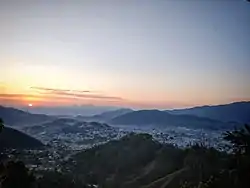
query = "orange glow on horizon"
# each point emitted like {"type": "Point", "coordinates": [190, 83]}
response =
{"type": "Point", "coordinates": [69, 97]}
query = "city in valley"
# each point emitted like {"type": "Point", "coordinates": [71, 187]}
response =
{"type": "Point", "coordinates": [65, 136]}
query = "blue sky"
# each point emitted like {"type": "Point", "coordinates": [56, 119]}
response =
{"type": "Point", "coordinates": [147, 53]}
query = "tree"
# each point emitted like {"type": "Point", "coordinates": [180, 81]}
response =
{"type": "Point", "coordinates": [15, 174]}
{"type": "Point", "coordinates": [1, 129]}
{"type": "Point", "coordinates": [240, 140]}
{"type": "Point", "coordinates": [1, 125]}
{"type": "Point", "coordinates": [237, 173]}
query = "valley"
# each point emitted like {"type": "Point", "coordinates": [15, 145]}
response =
{"type": "Point", "coordinates": [137, 147]}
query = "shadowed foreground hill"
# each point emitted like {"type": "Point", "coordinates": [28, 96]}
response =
{"type": "Point", "coordinates": [138, 161]}
{"type": "Point", "coordinates": [11, 138]}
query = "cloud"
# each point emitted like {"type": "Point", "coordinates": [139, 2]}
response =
{"type": "Point", "coordinates": [88, 96]}
{"type": "Point", "coordinates": [55, 90]}
{"type": "Point", "coordinates": [16, 96]}
{"type": "Point", "coordinates": [79, 94]}
{"type": "Point", "coordinates": [53, 96]}
{"type": "Point", "coordinates": [23, 99]}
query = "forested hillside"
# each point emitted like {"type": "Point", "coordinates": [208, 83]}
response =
{"type": "Point", "coordinates": [138, 161]}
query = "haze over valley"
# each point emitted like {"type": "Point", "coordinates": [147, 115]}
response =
{"type": "Point", "coordinates": [83, 131]}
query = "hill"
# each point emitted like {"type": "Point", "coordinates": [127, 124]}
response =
{"type": "Point", "coordinates": [11, 138]}
{"type": "Point", "coordinates": [65, 125]}
{"type": "Point", "coordinates": [234, 112]}
{"type": "Point", "coordinates": [162, 118]}
{"type": "Point", "coordinates": [126, 162]}
{"type": "Point", "coordinates": [15, 117]}
{"type": "Point", "coordinates": [85, 110]}
{"type": "Point", "coordinates": [106, 116]}
{"type": "Point", "coordinates": [137, 161]}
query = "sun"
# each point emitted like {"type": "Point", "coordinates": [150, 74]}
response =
{"type": "Point", "coordinates": [30, 105]}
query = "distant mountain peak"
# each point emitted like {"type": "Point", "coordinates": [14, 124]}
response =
{"type": "Point", "coordinates": [16, 117]}
{"type": "Point", "coordinates": [232, 112]}
{"type": "Point", "coordinates": [162, 118]}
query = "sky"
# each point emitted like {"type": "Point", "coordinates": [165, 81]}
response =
{"type": "Point", "coordinates": [134, 53]}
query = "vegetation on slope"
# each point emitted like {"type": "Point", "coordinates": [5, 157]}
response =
{"type": "Point", "coordinates": [11, 138]}
{"type": "Point", "coordinates": [137, 161]}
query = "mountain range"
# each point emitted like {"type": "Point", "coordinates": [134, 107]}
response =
{"type": "Point", "coordinates": [234, 112]}
{"type": "Point", "coordinates": [212, 117]}
{"type": "Point", "coordinates": [15, 117]}
{"type": "Point", "coordinates": [105, 116]}
{"type": "Point", "coordinates": [162, 118]}
{"type": "Point", "coordinates": [84, 110]}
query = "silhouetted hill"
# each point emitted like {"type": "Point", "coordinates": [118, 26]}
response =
{"type": "Point", "coordinates": [137, 161]}
{"type": "Point", "coordinates": [129, 162]}
{"type": "Point", "coordinates": [234, 112]}
{"type": "Point", "coordinates": [11, 138]}
{"type": "Point", "coordinates": [106, 116]}
{"type": "Point", "coordinates": [15, 117]}
{"type": "Point", "coordinates": [162, 118]}
{"type": "Point", "coordinates": [84, 110]}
